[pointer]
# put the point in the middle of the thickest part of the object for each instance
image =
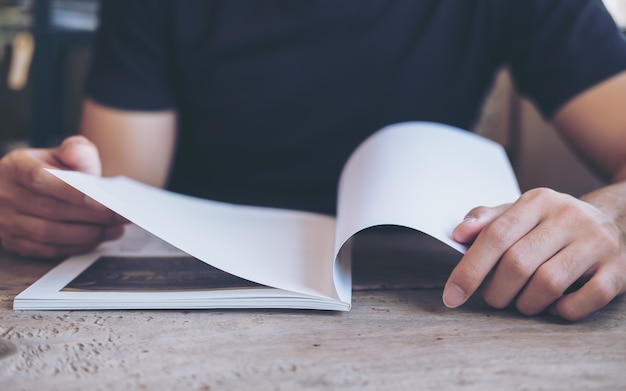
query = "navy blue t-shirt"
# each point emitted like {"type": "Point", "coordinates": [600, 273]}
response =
{"type": "Point", "coordinates": [274, 95]}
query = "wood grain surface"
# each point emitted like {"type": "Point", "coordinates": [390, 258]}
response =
{"type": "Point", "coordinates": [398, 336]}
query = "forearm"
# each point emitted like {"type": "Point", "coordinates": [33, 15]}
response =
{"type": "Point", "coordinates": [139, 145]}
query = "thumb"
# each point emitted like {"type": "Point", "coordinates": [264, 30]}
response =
{"type": "Point", "coordinates": [475, 221]}
{"type": "Point", "coordinates": [79, 154]}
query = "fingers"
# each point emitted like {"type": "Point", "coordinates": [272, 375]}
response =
{"type": "Point", "coordinates": [551, 280]}
{"type": "Point", "coordinates": [24, 170]}
{"type": "Point", "coordinates": [65, 233]}
{"type": "Point", "coordinates": [523, 262]}
{"type": "Point", "coordinates": [28, 190]}
{"type": "Point", "coordinates": [34, 236]}
{"type": "Point", "coordinates": [531, 252]}
{"type": "Point", "coordinates": [52, 208]}
{"type": "Point", "coordinates": [605, 285]}
{"type": "Point", "coordinates": [41, 215]}
{"type": "Point", "coordinates": [482, 256]}
{"type": "Point", "coordinates": [79, 154]}
{"type": "Point", "coordinates": [29, 248]}
{"type": "Point", "coordinates": [41, 238]}
{"type": "Point", "coordinates": [475, 221]}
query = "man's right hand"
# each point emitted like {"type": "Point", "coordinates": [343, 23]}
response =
{"type": "Point", "coordinates": [41, 216]}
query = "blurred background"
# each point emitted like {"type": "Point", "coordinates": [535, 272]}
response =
{"type": "Point", "coordinates": [44, 56]}
{"type": "Point", "coordinates": [45, 48]}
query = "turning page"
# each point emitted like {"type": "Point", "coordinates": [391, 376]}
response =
{"type": "Point", "coordinates": [285, 249]}
{"type": "Point", "coordinates": [424, 176]}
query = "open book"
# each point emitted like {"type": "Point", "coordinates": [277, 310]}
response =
{"type": "Point", "coordinates": [186, 252]}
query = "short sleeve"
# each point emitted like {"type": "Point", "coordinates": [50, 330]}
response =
{"type": "Point", "coordinates": [561, 48]}
{"type": "Point", "coordinates": [131, 63]}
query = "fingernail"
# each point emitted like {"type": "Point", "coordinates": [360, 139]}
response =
{"type": "Point", "coordinates": [453, 295]}
{"type": "Point", "coordinates": [469, 218]}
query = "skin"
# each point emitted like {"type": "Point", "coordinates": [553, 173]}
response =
{"type": "Point", "coordinates": [528, 253]}
{"type": "Point", "coordinates": [524, 254]}
{"type": "Point", "coordinates": [41, 216]}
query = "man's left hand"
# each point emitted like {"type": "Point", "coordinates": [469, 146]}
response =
{"type": "Point", "coordinates": [530, 252]}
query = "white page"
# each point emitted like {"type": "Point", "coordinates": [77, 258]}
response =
{"type": "Point", "coordinates": [285, 249]}
{"type": "Point", "coordinates": [425, 176]}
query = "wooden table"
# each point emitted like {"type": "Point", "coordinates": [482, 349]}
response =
{"type": "Point", "coordinates": [397, 336]}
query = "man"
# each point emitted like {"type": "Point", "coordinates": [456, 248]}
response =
{"type": "Point", "coordinates": [270, 97]}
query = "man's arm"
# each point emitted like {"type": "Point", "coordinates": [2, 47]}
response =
{"type": "Point", "coordinates": [136, 144]}
{"type": "Point", "coordinates": [529, 253]}
{"type": "Point", "coordinates": [594, 123]}
{"type": "Point", "coordinates": [44, 217]}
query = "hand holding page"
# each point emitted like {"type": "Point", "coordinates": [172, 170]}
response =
{"type": "Point", "coordinates": [424, 176]}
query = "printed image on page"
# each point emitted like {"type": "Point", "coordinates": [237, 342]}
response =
{"type": "Point", "coordinates": [284, 249]}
